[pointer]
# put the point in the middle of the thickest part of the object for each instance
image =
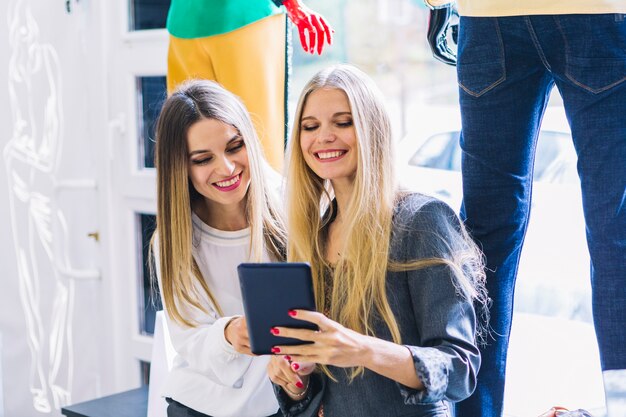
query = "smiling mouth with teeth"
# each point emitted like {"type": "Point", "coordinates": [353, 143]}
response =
{"type": "Point", "coordinates": [228, 183]}
{"type": "Point", "coordinates": [330, 155]}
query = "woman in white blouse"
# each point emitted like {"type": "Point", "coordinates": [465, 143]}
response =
{"type": "Point", "coordinates": [215, 210]}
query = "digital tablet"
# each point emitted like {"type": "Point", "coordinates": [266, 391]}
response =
{"type": "Point", "coordinates": [269, 291]}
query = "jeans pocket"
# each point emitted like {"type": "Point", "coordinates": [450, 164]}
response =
{"type": "Point", "coordinates": [480, 65]}
{"type": "Point", "coordinates": [595, 75]}
{"type": "Point", "coordinates": [595, 50]}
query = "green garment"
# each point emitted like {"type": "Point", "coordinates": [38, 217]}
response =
{"type": "Point", "coordinates": [191, 19]}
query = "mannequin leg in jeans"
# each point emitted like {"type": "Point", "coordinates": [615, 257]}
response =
{"type": "Point", "coordinates": [584, 55]}
{"type": "Point", "coordinates": [502, 103]}
{"type": "Point", "coordinates": [595, 104]}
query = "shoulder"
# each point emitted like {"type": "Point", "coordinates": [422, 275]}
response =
{"type": "Point", "coordinates": [425, 226]}
{"type": "Point", "coordinates": [415, 208]}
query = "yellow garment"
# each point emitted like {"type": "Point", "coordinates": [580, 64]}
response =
{"type": "Point", "coordinates": [250, 62]}
{"type": "Point", "coordinates": [493, 8]}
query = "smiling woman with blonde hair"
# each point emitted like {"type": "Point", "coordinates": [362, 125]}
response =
{"type": "Point", "coordinates": [215, 209]}
{"type": "Point", "coordinates": [395, 274]}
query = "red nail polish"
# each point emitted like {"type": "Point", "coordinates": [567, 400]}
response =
{"type": "Point", "coordinates": [292, 313]}
{"type": "Point", "coordinates": [295, 366]}
{"type": "Point", "coordinates": [275, 350]}
{"type": "Point", "coordinates": [299, 384]}
{"type": "Point", "coordinates": [274, 330]}
{"type": "Point", "coordinates": [287, 357]}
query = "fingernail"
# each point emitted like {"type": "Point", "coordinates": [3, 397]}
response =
{"type": "Point", "coordinates": [275, 350]}
{"type": "Point", "coordinates": [274, 330]}
{"type": "Point", "coordinates": [292, 313]}
{"type": "Point", "coordinates": [287, 357]}
{"type": "Point", "coordinates": [295, 366]}
{"type": "Point", "coordinates": [299, 384]}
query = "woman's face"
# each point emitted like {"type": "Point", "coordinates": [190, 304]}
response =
{"type": "Point", "coordinates": [218, 162]}
{"type": "Point", "coordinates": [327, 135]}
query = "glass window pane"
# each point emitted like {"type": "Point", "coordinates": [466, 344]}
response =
{"type": "Point", "coordinates": [150, 96]}
{"type": "Point", "coordinates": [144, 370]}
{"type": "Point", "coordinates": [150, 300]}
{"type": "Point", "coordinates": [147, 14]}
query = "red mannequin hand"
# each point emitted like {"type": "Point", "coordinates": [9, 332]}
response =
{"type": "Point", "coordinates": [309, 23]}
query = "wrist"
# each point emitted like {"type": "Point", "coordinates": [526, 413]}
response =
{"type": "Point", "coordinates": [299, 395]}
{"type": "Point", "coordinates": [294, 9]}
{"type": "Point", "coordinates": [367, 356]}
{"type": "Point", "coordinates": [437, 4]}
{"type": "Point", "coordinates": [378, 353]}
{"type": "Point", "coordinates": [290, 4]}
{"type": "Point", "coordinates": [228, 323]}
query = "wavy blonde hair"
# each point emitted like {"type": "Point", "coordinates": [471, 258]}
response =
{"type": "Point", "coordinates": [179, 273]}
{"type": "Point", "coordinates": [359, 276]}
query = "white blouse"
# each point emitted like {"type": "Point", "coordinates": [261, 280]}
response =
{"type": "Point", "coordinates": [208, 375]}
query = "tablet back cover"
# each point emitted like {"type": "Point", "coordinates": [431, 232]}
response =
{"type": "Point", "coordinates": [269, 291]}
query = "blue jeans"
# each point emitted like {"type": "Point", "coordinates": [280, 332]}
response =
{"type": "Point", "coordinates": [506, 69]}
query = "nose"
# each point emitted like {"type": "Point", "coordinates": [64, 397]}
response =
{"type": "Point", "coordinates": [226, 166]}
{"type": "Point", "coordinates": [326, 134]}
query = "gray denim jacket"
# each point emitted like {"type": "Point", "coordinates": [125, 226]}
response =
{"type": "Point", "coordinates": [436, 325]}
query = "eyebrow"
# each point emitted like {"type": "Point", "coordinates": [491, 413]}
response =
{"type": "Point", "coordinates": [342, 113]}
{"type": "Point", "coordinates": [231, 140]}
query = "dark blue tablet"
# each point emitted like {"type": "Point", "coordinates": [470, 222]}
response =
{"type": "Point", "coordinates": [269, 291]}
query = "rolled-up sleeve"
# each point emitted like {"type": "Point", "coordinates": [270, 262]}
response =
{"type": "Point", "coordinates": [205, 350]}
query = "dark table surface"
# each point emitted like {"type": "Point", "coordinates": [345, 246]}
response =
{"type": "Point", "coordinates": [133, 403]}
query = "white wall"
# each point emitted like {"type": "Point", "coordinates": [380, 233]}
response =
{"type": "Point", "coordinates": [9, 303]}
{"type": "Point", "coordinates": [56, 340]}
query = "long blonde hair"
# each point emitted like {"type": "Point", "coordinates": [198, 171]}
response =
{"type": "Point", "coordinates": [179, 272]}
{"type": "Point", "coordinates": [359, 276]}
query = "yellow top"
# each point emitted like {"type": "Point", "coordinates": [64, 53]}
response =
{"type": "Point", "coordinates": [490, 8]}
